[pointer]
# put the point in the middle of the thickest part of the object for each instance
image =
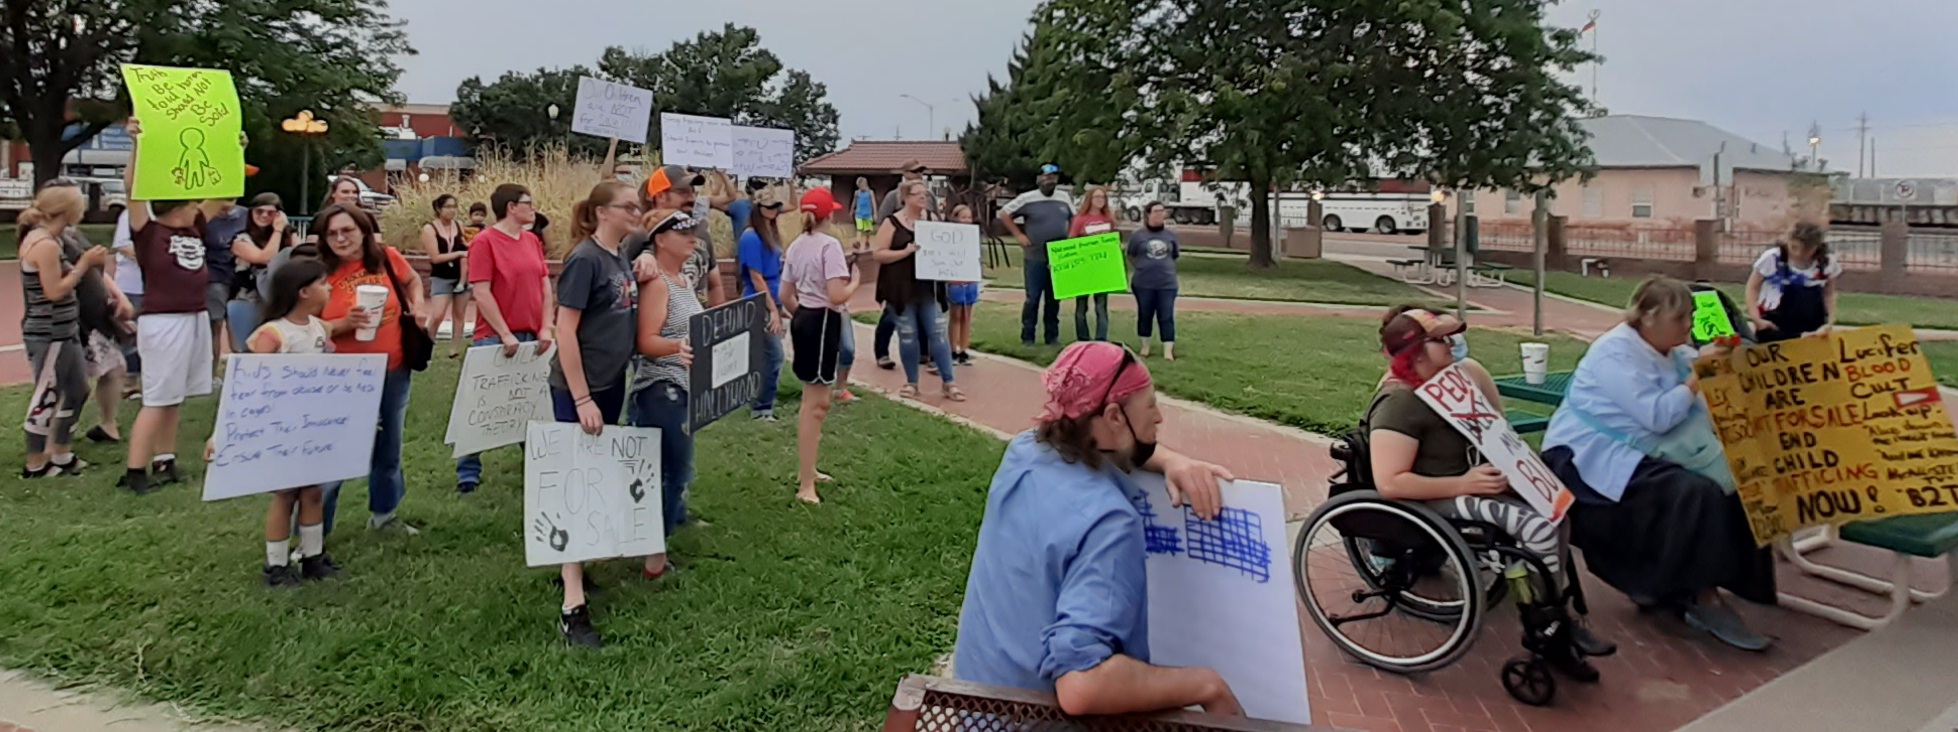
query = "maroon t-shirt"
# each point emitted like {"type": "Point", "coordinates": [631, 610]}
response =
{"type": "Point", "coordinates": [172, 259]}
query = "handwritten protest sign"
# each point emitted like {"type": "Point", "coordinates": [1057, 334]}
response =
{"type": "Point", "coordinates": [589, 497]}
{"type": "Point", "coordinates": [948, 252]}
{"type": "Point", "coordinates": [763, 152]}
{"type": "Point", "coordinates": [497, 397]}
{"type": "Point", "coordinates": [1710, 319]}
{"type": "Point", "coordinates": [728, 343]}
{"type": "Point", "coordinates": [700, 142]}
{"type": "Point", "coordinates": [1829, 430]}
{"type": "Point", "coordinates": [1221, 594]}
{"type": "Point", "coordinates": [606, 109]}
{"type": "Point", "coordinates": [191, 123]}
{"type": "Point", "coordinates": [292, 421]}
{"type": "Point", "coordinates": [1455, 397]}
{"type": "Point", "coordinates": [1089, 265]}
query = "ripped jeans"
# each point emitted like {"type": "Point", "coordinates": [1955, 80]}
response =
{"type": "Point", "coordinates": [921, 325]}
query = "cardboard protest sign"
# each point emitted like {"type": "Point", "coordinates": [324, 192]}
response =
{"type": "Point", "coordinates": [728, 354]}
{"type": "Point", "coordinates": [589, 497]}
{"type": "Point", "coordinates": [191, 123]}
{"type": "Point", "coordinates": [1089, 265]}
{"type": "Point", "coordinates": [292, 421]}
{"type": "Point", "coordinates": [763, 152]}
{"type": "Point", "coordinates": [607, 109]}
{"type": "Point", "coordinates": [1710, 319]}
{"type": "Point", "coordinates": [497, 397]}
{"type": "Point", "coordinates": [1461, 404]}
{"type": "Point", "coordinates": [700, 142]}
{"type": "Point", "coordinates": [1833, 429]}
{"type": "Point", "coordinates": [948, 252]}
{"type": "Point", "coordinates": [1221, 594]}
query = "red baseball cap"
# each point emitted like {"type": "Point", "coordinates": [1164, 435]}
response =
{"type": "Point", "coordinates": [818, 201]}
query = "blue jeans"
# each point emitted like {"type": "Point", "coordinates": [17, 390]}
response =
{"type": "Point", "coordinates": [469, 468]}
{"type": "Point", "coordinates": [771, 372]}
{"type": "Point", "coordinates": [1081, 317]}
{"type": "Point", "coordinates": [664, 405]}
{"type": "Point", "coordinates": [385, 484]}
{"type": "Point", "coordinates": [609, 402]}
{"type": "Point", "coordinates": [846, 348]}
{"type": "Point", "coordinates": [881, 345]}
{"type": "Point", "coordinates": [242, 317]}
{"type": "Point", "coordinates": [920, 326]}
{"type": "Point", "coordinates": [1040, 291]}
{"type": "Point", "coordinates": [1156, 306]}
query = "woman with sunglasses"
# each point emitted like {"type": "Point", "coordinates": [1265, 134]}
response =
{"type": "Point", "coordinates": [512, 286]}
{"type": "Point", "coordinates": [267, 234]}
{"type": "Point", "coordinates": [819, 281]}
{"type": "Point", "coordinates": [443, 241]}
{"type": "Point", "coordinates": [662, 367]}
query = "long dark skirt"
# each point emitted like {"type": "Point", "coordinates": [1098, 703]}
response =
{"type": "Point", "coordinates": [1673, 534]}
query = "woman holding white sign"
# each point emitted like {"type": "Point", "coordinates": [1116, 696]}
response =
{"type": "Point", "coordinates": [918, 306]}
{"type": "Point", "coordinates": [664, 364]}
{"type": "Point", "coordinates": [1416, 454]}
{"type": "Point", "coordinates": [1630, 439]}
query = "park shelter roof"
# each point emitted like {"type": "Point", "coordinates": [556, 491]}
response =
{"type": "Point", "coordinates": [881, 157]}
{"type": "Point", "coordinates": [1632, 141]}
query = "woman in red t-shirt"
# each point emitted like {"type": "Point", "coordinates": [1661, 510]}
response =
{"type": "Point", "coordinates": [353, 254]}
{"type": "Point", "coordinates": [1094, 217]}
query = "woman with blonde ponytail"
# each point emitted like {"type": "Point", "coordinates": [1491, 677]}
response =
{"type": "Point", "coordinates": [51, 329]}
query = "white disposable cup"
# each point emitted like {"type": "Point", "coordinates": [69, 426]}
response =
{"type": "Point", "coordinates": [1536, 362]}
{"type": "Point", "coordinates": [370, 298]}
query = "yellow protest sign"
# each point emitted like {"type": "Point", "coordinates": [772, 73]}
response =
{"type": "Point", "coordinates": [1832, 430]}
{"type": "Point", "coordinates": [191, 123]}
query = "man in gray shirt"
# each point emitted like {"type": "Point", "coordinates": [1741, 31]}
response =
{"type": "Point", "coordinates": [1036, 218]}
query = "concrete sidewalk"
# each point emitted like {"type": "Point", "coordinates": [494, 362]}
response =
{"type": "Point", "coordinates": [29, 704]}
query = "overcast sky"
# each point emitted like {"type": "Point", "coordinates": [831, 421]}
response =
{"type": "Point", "coordinates": [1758, 68]}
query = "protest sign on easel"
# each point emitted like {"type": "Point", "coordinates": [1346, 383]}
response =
{"type": "Point", "coordinates": [948, 252]}
{"type": "Point", "coordinates": [287, 421]}
{"type": "Point", "coordinates": [1454, 396]}
{"type": "Point", "coordinates": [589, 497]}
{"type": "Point", "coordinates": [700, 142]}
{"type": "Point", "coordinates": [1833, 429]}
{"type": "Point", "coordinates": [607, 109]}
{"type": "Point", "coordinates": [1221, 594]}
{"type": "Point", "coordinates": [497, 397]}
{"type": "Point", "coordinates": [191, 123]}
{"type": "Point", "coordinates": [728, 354]}
{"type": "Point", "coordinates": [1089, 265]}
{"type": "Point", "coordinates": [764, 153]}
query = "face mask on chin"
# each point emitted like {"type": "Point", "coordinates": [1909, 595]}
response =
{"type": "Point", "coordinates": [1458, 346]}
{"type": "Point", "coordinates": [1139, 452]}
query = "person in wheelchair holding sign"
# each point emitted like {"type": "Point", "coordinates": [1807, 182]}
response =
{"type": "Point", "coordinates": [1417, 455]}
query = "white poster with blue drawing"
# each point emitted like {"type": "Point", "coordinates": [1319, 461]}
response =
{"type": "Point", "coordinates": [289, 421]}
{"type": "Point", "coordinates": [1221, 595]}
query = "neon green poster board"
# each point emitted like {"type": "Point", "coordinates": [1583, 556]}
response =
{"type": "Point", "coordinates": [1710, 319]}
{"type": "Point", "coordinates": [1090, 265]}
{"type": "Point", "coordinates": [191, 123]}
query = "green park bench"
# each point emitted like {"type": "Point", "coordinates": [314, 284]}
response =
{"type": "Point", "coordinates": [934, 703]}
{"type": "Point", "coordinates": [1931, 536]}
{"type": "Point", "coordinates": [1524, 422]}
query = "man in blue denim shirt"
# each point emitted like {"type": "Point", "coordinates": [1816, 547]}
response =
{"type": "Point", "coordinates": [1057, 600]}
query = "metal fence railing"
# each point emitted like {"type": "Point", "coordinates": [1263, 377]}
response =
{"type": "Point", "coordinates": [1856, 249]}
{"type": "Point", "coordinates": [1623, 242]}
{"type": "Point", "coordinates": [1506, 236]}
{"type": "Point", "coordinates": [1932, 252]}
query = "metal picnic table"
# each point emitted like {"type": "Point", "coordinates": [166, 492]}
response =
{"type": "Point", "coordinates": [1549, 393]}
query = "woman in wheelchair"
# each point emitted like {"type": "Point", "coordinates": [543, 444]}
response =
{"type": "Point", "coordinates": [1415, 455]}
{"type": "Point", "coordinates": [1655, 511]}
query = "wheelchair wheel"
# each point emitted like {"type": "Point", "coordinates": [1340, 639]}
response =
{"type": "Point", "coordinates": [1528, 680]}
{"type": "Point", "coordinates": [1389, 582]}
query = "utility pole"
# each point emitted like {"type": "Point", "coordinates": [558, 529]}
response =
{"type": "Point", "coordinates": [1872, 157]}
{"type": "Point", "coordinates": [1862, 131]}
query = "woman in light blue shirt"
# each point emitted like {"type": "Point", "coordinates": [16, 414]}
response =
{"type": "Point", "coordinates": [1663, 534]}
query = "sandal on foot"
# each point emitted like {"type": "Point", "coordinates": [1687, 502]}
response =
{"type": "Point", "coordinates": [910, 391]}
{"type": "Point", "coordinates": [954, 394]}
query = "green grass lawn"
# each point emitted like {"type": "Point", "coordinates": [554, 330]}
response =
{"type": "Point", "coordinates": [10, 237]}
{"type": "Point", "coordinates": [780, 616]}
{"type": "Point", "coordinates": [1314, 373]}
{"type": "Point", "coordinates": [1857, 308]}
{"type": "Point", "coordinates": [1297, 280]}
{"type": "Point", "coordinates": [1944, 360]}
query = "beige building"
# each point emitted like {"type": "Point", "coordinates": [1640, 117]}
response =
{"type": "Point", "coordinates": [1659, 173]}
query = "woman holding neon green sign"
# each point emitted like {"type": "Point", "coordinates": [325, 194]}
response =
{"type": "Point", "coordinates": [1093, 218]}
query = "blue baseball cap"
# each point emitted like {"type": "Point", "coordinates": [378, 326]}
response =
{"type": "Point", "coordinates": [1050, 169]}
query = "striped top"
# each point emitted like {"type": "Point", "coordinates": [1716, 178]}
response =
{"type": "Point", "coordinates": [45, 319]}
{"type": "Point", "coordinates": [681, 306]}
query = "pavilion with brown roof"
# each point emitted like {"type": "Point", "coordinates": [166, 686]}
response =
{"type": "Point", "coordinates": [878, 160]}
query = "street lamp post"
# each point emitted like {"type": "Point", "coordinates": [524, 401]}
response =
{"type": "Point", "coordinates": [1814, 145]}
{"type": "Point", "coordinates": [304, 125]}
{"type": "Point", "coordinates": [931, 114]}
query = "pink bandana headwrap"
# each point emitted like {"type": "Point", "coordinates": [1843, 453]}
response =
{"type": "Point", "coordinates": [1082, 380]}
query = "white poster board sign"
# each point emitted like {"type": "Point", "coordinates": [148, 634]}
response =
{"type": "Point", "coordinates": [497, 397]}
{"type": "Point", "coordinates": [1221, 595]}
{"type": "Point", "coordinates": [764, 152]}
{"type": "Point", "coordinates": [589, 497]}
{"type": "Point", "coordinates": [948, 252]}
{"type": "Point", "coordinates": [292, 421]}
{"type": "Point", "coordinates": [1455, 397]}
{"type": "Point", "coordinates": [607, 109]}
{"type": "Point", "coordinates": [699, 142]}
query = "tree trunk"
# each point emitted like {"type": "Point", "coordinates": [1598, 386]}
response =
{"type": "Point", "coordinates": [42, 131]}
{"type": "Point", "coordinates": [1261, 244]}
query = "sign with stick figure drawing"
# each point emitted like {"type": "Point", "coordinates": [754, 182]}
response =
{"type": "Point", "coordinates": [191, 125]}
{"type": "Point", "coordinates": [589, 497]}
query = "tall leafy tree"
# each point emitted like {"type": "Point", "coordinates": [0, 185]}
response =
{"type": "Point", "coordinates": [727, 73]}
{"type": "Point", "coordinates": [59, 64]}
{"type": "Point", "coordinates": [1063, 102]}
{"type": "Point", "coordinates": [514, 110]}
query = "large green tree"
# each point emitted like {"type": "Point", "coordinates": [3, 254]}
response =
{"type": "Point", "coordinates": [60, 59]}
{"type": "Point", "coordinates": [515, 110]}
{"type": "Point", "coordinates": [1063, 102]}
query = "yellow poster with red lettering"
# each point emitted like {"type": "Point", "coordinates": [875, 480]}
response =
{"type": "Point", "coordinates": [1835, 429]}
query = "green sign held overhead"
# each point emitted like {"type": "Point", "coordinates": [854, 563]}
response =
{"type": "Point", "coordinates": [191, 124]}
{"type": "Point", "coordinates": [1710, 319]}
{"type": "Point", "coordinates": [1090, 265]}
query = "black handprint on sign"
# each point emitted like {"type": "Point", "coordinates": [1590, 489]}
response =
{"type": "Point", "coordinates": [547, 531]}
{"type": "Point", "coordinates": [638, 490]}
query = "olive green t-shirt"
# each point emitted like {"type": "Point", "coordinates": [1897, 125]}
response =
{"type": "Point", "coordinates": [1444, 451]}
